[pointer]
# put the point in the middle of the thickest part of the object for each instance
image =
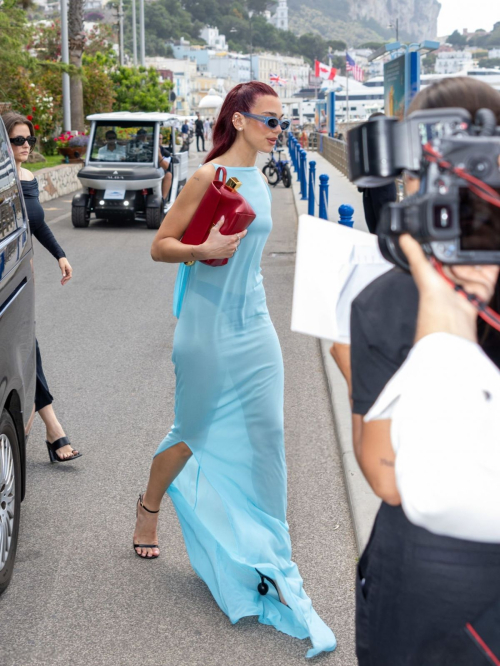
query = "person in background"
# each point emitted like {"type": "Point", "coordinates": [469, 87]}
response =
{"type": "Point", "coordinates": [375, 198]}
{"type": "Point", "coordinates": [111, 151]}
{"type": "Point", "coordinates": [165, 161]}
{"type": "Point", "coordinates": [304, 139]}
{"type": "Point", "coordinates": [207, 129]}
{"type": "Point", "coordinates": [199, 131]}
{"type": "Point", "coordinates": [23, 140]}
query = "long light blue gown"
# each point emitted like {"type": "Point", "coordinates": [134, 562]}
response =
{"type": "Point", "coordinates": [231, 496]}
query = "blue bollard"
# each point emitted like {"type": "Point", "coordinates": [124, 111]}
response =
{"type": "Point", "coordinates": [292, 152]}
{"type": "Point", "coordinates": [323, 196]}
{"type": "Point", "coordinates": [346, 212]}
{"type": "Point", "coordinates": [297, 157]}
{"type": "Point", "coordinates": [303, 174]}
{"type": "Point", "coordinates": [312, 185]}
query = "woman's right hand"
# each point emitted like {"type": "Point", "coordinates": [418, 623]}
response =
{"type": "Point", "coordinates": [219, 246]}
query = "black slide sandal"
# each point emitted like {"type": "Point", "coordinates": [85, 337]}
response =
{"type": "Point", "coordinates": [144, 545]}
{"type": "Point", "coordinates": [58, 444]}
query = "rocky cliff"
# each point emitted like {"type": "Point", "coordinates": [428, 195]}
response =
{"type": "Point", "coordinates": [356, 21]}
{"type": "Point", "coordinates": [417, 18]}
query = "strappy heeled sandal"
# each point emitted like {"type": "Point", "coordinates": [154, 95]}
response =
{"type": "Point", "coordinates": [58, 444]}
{"type": "Point", "coordinates": [144, 545]}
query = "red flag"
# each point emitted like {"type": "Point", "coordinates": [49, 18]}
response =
{"type": "Point", "coordinates": [322, 71]}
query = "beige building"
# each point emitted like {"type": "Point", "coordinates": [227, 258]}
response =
{"type": "Point", "coordinates": [292, 70]}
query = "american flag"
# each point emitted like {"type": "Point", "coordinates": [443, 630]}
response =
{"type": "Point", "coordinates": [356, 70]}
{"type": "Point", "coordinates": [276, 80]}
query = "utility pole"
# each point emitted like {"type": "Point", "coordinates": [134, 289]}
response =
{"type": "Point", "coordinates": [250, 14]}
{"type": "Point", "coordinates": [346, 90]}
{"type": "Point", "coordinates": [134, 33]}
{"type": "Point", "coordinates": [141, 33]}
{"type": "Point", "coordinates": [120, 29]}
{"type": "Point", "coordinates": [65, 60]}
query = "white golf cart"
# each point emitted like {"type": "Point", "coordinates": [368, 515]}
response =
{"type": "Point", "coordinates": [122, 178]}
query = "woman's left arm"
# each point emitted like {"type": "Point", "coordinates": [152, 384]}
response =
{"type": "Point", "coordinates": [42, 232]}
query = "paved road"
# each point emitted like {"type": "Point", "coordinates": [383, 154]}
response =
{"type": "Point", "coordinates": [79, 595]}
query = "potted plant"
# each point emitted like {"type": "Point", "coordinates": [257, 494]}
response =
{"type": "Point", "coordinates": [72, 145]}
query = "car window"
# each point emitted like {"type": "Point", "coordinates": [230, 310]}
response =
{"type": "Point", "coordinates": [123, 142]}
{"type": "Point", "coordinates": [12, 216]}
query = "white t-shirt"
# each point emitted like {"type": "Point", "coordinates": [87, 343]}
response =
{"type": "Point", "coordinates": [116, 155]}
{"type": "Point", "coordinates": [444, 403]}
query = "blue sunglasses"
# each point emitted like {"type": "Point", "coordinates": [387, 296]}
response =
{"type": "Point", "coordinates": [270, 121]}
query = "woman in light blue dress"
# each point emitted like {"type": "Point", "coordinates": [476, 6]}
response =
{"type": "Point", "coordinates": [223, 461]}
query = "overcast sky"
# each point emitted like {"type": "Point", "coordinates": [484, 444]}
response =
{"type": "Point", "coordinates": [470, 14]}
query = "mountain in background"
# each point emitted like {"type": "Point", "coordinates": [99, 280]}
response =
{"type": "Point", "coordinates": [357, 21]}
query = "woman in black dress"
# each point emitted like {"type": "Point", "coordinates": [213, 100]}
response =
{"type": "Point", "coordinates": [22, 141]}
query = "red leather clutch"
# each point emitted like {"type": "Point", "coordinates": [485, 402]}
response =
{"type": "Point", "coordinates": [220, 199]}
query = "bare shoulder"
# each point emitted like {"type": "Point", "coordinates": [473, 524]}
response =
{"type": "Point", "coordinates": [26, 174]}
{"type": "Point", "coordinates": [205, 174]}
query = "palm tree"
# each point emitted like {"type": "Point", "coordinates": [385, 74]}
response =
{"type": "Point", "coordinates": [76, 39]}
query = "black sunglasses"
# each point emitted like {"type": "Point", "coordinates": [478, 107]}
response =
{"type": "Point", "coordinates": [20, 140]}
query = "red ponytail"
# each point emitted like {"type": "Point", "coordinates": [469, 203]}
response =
{"type": "Point", "coordinates": [240, 98]}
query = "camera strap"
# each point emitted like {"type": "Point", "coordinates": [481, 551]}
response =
{"type": "Point", "coordinates": [484, 311]}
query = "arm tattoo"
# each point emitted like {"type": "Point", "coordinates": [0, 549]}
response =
{"type": "Point", "coordinates": [386, 463]}
{"type": "Point", "coordinates": [196, 178]}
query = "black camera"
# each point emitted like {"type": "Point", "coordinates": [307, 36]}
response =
{"type": "Point", "coordinates": [456, 213]}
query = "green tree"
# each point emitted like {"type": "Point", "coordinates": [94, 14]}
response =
{"type": "Point", "coordinates": [456, 39]}
{"type": "Point", "coordinates": [140, 89]}
{"type": "Point", "coordinates": [371, 45]}
{"type": "Point", "coordinates": [489, 62]}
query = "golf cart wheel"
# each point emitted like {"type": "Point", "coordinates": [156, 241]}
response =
{"type": "Point", "coordinates": [272, 174]}
{"type": "Point", "coordinates": [80, 216]}
{"type": "Point", "coordinates": [286, 176]}
{"type": "Point", "coordinates": [10, 497]}
{"type": "Point", "coordinates": [154, 217]}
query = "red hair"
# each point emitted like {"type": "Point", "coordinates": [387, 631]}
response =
{"type": "Point", "coordinates": [240, 98]}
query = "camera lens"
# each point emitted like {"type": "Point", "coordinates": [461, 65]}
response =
{"type": "Point", "coordinates": [442, 217]}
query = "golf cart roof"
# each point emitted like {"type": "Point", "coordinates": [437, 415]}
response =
{"type": "Point", "coordinates": [129, 116]}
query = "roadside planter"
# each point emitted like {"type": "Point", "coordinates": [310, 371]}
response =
{"type": "Point", "coordinates": [72, 146]}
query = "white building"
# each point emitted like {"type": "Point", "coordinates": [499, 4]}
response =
{"type": "Point", "coordinates": [280, 18]}
{"type": "Point", "coordinates": [213, 39]}
{"type": "Point", "coordinates": [450, 62]}
{"type": "Point", "coordinates": [292, 70]}
{"type": "Point", "coordinates": [494, 53]}
{"type": "Point", "coordinates": [183, 73]}
{"type": "Point", "coordinates": [232, 66]}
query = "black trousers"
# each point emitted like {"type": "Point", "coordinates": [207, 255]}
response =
{"type": "Point", "coordinates": [198, 137]}
{"type": "Point", "coordinates": [43, 396]}
{"type": "Point", "coordinates": [415, 588]}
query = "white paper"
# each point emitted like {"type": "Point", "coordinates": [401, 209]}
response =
{"type": "Point", "coordinates": [114, 194]}
{"type": "Point", "coordinates": [334, 264]}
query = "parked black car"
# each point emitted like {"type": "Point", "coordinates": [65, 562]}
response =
{"type": "Point", "coordinates": [17, 354]}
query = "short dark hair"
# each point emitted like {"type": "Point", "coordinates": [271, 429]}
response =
{"type": "Point", "coordinates": [111, 132]}
{"type": "Point", "coordinates": [11, 119]}
{"type": "Point", "coordinates": [142, 131]}
{"type": "Point", "coordinates": [458, 91]}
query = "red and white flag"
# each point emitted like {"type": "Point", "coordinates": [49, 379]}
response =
{"type": "Point", "coordinates": [322, 71]}
{"type": "Point", "coordinates": [356, 70]}
{"type": "Point", "coordinates": [276, 80]}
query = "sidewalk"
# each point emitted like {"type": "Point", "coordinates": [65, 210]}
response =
{"type": "Point", "coordinates": [363, 503]}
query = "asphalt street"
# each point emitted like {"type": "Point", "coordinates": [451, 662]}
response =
{"type": "Point", "coordinates": [79, 595]}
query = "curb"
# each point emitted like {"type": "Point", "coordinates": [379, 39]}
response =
{"type": "Point", "coordinates": [363, 502]}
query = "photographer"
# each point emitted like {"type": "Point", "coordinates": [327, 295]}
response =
{"type": "Point", "coordinates": [414, 586]}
